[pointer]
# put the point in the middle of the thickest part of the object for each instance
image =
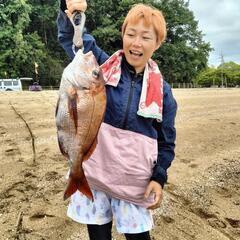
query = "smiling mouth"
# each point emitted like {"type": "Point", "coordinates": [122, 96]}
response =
{"type": "Point", "coordinates": [135, 53]}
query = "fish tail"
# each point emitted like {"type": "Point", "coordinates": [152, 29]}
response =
{"type": "Point", "coordinates": [85, 189]}
{"type": "Point", "coordinates": [77, 184]}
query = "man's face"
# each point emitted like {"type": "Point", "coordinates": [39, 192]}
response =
{"type": "Point", "coordinates": [139, 43]}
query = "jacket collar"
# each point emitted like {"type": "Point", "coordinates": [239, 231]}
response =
{"type": "Point", "coordinates": [130, 68]}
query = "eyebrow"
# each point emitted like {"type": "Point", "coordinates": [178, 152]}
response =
{"type": "Point", "coordinates": [132, 29]}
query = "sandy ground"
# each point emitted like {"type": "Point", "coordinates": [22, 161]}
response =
{"type": "Point", "coordinates": [201, 199]}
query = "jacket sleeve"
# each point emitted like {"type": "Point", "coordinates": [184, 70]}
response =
{"type": "Point", "coordinates": [166, 137]}
{"type": "Point", "coordinates": [65, 37]}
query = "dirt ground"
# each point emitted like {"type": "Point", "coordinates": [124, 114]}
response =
{"type": "Point", "coordinates": [202, 197]}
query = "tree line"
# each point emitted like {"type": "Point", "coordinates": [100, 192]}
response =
{"type": "Point", "coordinates": [225, 75]}
{"type": "Point", "coordinates": [29, 47]}
{"type": "Point", "coordinates": [28, 41]}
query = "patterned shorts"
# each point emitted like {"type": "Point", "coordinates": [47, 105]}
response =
{"type": "Point", "coordinates": [128, 218]}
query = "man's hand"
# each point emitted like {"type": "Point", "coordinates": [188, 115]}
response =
{"type": "Point", "coordinates": [75, 5]}
{"type": "Point", "coordinates": [156, 189]}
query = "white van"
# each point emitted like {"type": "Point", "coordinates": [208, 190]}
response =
{"type": "Point", "coordinates": [10, 84]}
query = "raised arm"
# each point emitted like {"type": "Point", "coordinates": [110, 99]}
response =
{"type": "Point", "coordinates": [65, 31]}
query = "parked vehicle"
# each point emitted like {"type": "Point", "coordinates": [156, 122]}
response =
{"type": "Point", "coordinates": [10, 84]}
{"type": "Point", "coordinates": [35, 87]}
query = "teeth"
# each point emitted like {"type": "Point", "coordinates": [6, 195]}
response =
{"type": "Point", "coordinates": [136, 53]}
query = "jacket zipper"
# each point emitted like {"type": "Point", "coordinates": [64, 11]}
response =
{"type": "Point", "coordinates": [129, 103]}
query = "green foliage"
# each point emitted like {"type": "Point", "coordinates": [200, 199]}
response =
{"type": "Point", "coordinates": [181, 57]}
{"type": "Point", "coordinates": [227, 74]}
{"type": "Point", "coordinates": [184, 53]}
{"type": "Point", "coordinates": [14, 47]}
{"type": "Point", "coordinates": [43, 21]}
{"type": "Point", "coordinates": [28, 35]}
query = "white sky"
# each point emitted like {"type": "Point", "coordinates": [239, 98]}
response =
{"type": "Point", "coordinates": [219, 20]}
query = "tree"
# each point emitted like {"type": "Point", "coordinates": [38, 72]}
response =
{"type": "Point", "coordinates": [230, 71]}
{"type": "Point", "coordinates": [181, 57]}
{"type": "Point", "coordinates": [208, 77]}
{"type": "Point", "coordinates": [43, 22]}
{"type": "Point", "coordinates": [28, 34]}
{"type": "Point", "coordinates": [18, 50]}
{"type": "Point", "coordinates": [184, 54]}
{"type": "Point", "coordinates": [226, 74]}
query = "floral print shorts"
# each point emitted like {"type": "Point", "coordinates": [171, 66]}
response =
{"type": "Point", "coordinates": [127, 217]}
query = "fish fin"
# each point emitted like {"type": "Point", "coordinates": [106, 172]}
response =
{"type": "Point", "coordinates": [72, 108]}
{"type": "Point", "coordinates": [77, 184]}
{"type": "Point", "coordinates": [90, 150]}
{"type": "Point", "coordinates": [62, 150]}
{"type": "Point", "coordinates": [60, 144]}
{"type": "Point", "coordinates": [85, 189]}
{"type": "Point", "coordinates": [70, 189]}
{"type": "Point", "coordinates": [56, 110]}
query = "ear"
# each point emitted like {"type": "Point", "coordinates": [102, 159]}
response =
{"type": "Point", "coordinates": [122, 34]}
{"type": "Point", "coordinates": [158, 44]}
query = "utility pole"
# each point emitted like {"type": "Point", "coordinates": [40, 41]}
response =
{"type": "Point", "coordinates": [36, 71]}
{"type": "Point", "coordinates": [222, 62]}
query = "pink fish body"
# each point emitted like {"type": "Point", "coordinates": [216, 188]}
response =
{"type": "Point", "coordinates": [79, 113]}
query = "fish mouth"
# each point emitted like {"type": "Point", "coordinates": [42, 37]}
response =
{"type": "Point", "coordinates": [90, 59]}
{"type": "Point", "coordinates": [89, 53]}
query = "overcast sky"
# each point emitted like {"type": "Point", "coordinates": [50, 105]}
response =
{"type": "Point", "coordinates": [219, 20]}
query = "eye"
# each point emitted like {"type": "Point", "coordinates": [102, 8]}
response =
{"type": "Point", "coordinates": [95, 73]}
{"type": "Point", "coordinates": [146, 38]}
{"type": "Point", "coordinates": [130, 34]}
{"type": "Point", "coordinates": [85, 88]}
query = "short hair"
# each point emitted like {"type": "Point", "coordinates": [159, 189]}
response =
{"type": "Point", "coordinates": [151, 16]}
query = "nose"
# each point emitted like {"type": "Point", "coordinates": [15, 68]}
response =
{"type": "Point", "coordinates": [137, 42]}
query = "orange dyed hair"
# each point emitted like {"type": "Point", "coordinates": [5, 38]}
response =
{"type": "Point", "coordinates": [151, 16]}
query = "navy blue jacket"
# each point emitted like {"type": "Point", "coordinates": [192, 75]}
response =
{"type": "Point", "coordinates": [122, 101]}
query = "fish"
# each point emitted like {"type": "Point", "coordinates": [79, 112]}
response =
{"type": "Point", "coordinates": [79, 113]}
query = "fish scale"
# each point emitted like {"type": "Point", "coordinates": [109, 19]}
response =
{"type": "Point", "coordinates": [79, 113]}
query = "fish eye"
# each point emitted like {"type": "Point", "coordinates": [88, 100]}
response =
{"type": "Point", "coordinates": [85, 88]}
{"type": "Point", "coordinates": [95, 73]}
